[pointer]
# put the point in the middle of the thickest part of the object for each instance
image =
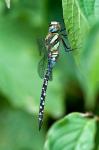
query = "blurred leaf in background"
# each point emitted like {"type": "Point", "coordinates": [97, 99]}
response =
{"type": "Point", "coordinates": [18, 130]}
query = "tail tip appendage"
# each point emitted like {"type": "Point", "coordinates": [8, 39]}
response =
{"type": "Point", "coordinates": [40, 124]}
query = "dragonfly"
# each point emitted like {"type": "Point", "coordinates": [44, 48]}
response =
{"type": "Point", "coordinates": [52, 41]}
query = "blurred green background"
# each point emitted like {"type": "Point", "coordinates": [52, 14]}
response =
{"type": "Point", "coordinates": [75, 85]}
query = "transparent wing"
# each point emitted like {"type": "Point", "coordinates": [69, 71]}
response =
{"type": "Point", "coordinates": [41, 46]}
{"type": "Point", "coordinates": [51, 76]}
{"type": "Point", "coordinates": [42, 65]}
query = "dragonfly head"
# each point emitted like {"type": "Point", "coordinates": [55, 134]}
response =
{"type": "Point", "coordinates": [54, 27]}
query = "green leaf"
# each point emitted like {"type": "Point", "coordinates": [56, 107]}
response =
{"type": "Point", "coordinates": [90, 69]}
{"type": "Point", "coordinates": [90, 9]}
{"type": "Point", "coordinates": [16, 65]}
{"type": "Point", "coordinates": [75, 22]}
{"type": "Point", "coordinates": [80, 14]}
{"type": "Point", "coordinates": [19, 130]}
{"type": "Point", "coordinates": [75, 131]}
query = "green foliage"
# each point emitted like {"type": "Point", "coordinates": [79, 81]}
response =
{"type": "Point", "coordinates": [73, 132]}
{"type": "Point", "coordinates": [18, 130]}
{"type": "Point", "coordinates": [84, 18]}
{"type": "Point", "coordinates": [74, 22]}
{"type": "Point", "coordinates": [75, 77]}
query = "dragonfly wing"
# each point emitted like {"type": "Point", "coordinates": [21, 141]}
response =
{"type": "Point", "coordinates": [42, 67]}
{"type": "Point", "coordinates": [41, 46]}
{"type": "Point", "coordinates": [51, 76]}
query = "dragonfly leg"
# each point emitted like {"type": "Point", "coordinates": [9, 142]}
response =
{"type": "Point", "coordinates": [67, 49]}
{"type": "Point", "coordinates": [64, 35]}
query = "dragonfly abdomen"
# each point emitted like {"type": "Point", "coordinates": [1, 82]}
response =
{"type": "Point", "coordinates": [53, 54]}
{"type": "Point", "coordinates": [42, 98]}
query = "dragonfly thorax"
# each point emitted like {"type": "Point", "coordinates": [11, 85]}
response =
{"type": "Point", "coordinates": [52, 41]}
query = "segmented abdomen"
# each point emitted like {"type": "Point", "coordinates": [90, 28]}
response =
{"type": "Point", "coordinates": [53, 54]}
{"type": "Point", "coordinates": [42, 98]}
